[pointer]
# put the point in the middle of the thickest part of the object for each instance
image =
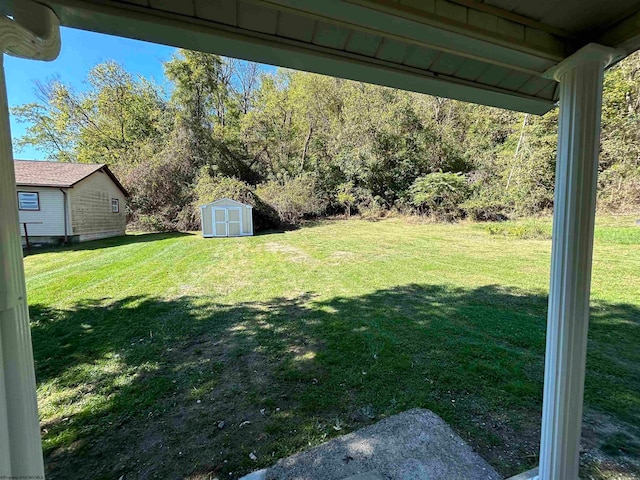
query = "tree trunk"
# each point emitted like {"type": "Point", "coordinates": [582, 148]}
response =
{"type": "Point", "coordinates": [515, 157]}
{"type": "Point", "coordinates": [306, 147]}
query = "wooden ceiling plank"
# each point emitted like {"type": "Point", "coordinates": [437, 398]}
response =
{"type": "Point", "coordinates": [258, 18]}
{"type": "Point", "coordinates": [296, 27]}
{"type": "Point", "coordinates": [184, 7]}
{"type": "Point", "coordinates": [116, 18]}
{"type": "Point", "coordinates": [223, 11]}
{"type": "Point", "coordinates": [363, 43]}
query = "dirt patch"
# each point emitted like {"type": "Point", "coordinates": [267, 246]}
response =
{"type": "Point", "coordinates": [339, 257]}
{"type": "Point", "coordinates": [519, 443]}
{"type": "Point", "coordinates": [513, 445]}
{"type": "Point", "coordinates": [289, 252]}
{"type": "Point", "coordinates": [609, 448]}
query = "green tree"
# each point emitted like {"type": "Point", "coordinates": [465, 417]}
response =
{"type": "Point", "coordinates": [346, 196]}
{"type": "Point", "coordinates": [440, 194]}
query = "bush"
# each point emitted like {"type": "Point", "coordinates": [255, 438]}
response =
{"type": "Point", "coordinates": [346, 196]}
{"type": "Point", "coordinates": [484, 210]}
{"type": "Point", "coordinates": [293, 199]}
{"type": "Point", "coordinates": [155, 222]}
{"type": "Point", "coordinates": [160, 190]}
{"type": "Point", "coordinates": [440, 194]}
{"type": "Point", "coordinates": [619, 189]}
{"type": "Point", "coordinates": [213, 187]}
{"type": "Point", "coordinates": [370, 207]}
{"type": "Point", "coordinates": [525, 230]}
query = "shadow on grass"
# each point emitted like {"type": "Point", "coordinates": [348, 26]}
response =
{"type": "Point", "coordinates": [138, 386]}
{"type": "Point", "coordinates": [108, 242]}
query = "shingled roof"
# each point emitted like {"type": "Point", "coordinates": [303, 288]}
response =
{"type": "Point", "coordinates": [37, 173]}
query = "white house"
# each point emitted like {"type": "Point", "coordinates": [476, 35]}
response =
{"type": "Point", "coordinates": [71, 202]}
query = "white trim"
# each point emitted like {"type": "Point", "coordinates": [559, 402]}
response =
{"type": "Point", "coordinates": [32, 32]}
{"type": "Point", "coordinates": [225, 199]}
{"type": "Point", "coordinates": [239, 221]}
{"type": "Point", "coordinates": [214, 221]}
{"type": "Point", "coordinates": [227, 222]}
{"type": "Point", "coordinates": [591, 52]}
{"type": "Point", "coordinates": [581, 81]}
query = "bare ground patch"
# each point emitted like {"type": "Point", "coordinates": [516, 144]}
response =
{"type": "Point", "coordinates": [519, 445]}
{"type": "Point", "coordinates": [340, 257]}
{"type": "Point", "coordinates": [610, 448]}
{"type": "Point", "coordinates": [289, 252]}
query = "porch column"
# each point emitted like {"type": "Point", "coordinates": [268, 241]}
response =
{"type": "Point", "coordinates": [580, 78]}
{"type": "Point", "coordinates": [32, 33]}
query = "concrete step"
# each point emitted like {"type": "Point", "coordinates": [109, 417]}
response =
{"type": "Point", "coordinates": [373, 475]}
{"type": "Point", "coordinates": [413, 445]}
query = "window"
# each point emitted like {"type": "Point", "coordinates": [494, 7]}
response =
{"type": "Point", "coordinates": [115, 205]}
{"type": "Point", "coordinates": [28, 201]}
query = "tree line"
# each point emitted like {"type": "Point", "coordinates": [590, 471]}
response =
{"type": "Point", "coordinates": [297, 145]}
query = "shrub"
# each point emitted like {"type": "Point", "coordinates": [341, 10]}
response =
{"type": "Point", "coordinates": [440, 194]}
{"type": "Point", "coordinates": [619, 189]}
{"type": "Point", "coordinates": [346, 196]}
{"type": "Point", "coordinates": [293, 199]}
{"type": "Point", "coordinates": [524, 230]}
{"type": "Point", "coordinates": [370, 207]}
{"type": "Point", "coordinates": [212, 187]}
{"type": "Point", "coordinates": [160, 189]}
{"type": "Point", "coordinates": [484, 210]}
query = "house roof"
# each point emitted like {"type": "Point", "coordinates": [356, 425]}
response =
{"type": "Point", "coordinates": [37, 173]}
{"type": "Point", "coordinates": [494, 52]}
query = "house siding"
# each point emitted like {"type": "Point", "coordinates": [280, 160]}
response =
{"type": "Point", "coordinates": [90, 207]}
{"type": "Point", "coordinates": [51, 213]}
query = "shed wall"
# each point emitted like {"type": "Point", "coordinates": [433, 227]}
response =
{"type": "Point", "coordinates": [206, 213]}
{"type": "Point", "coordinates": [51, 212]}
{"type": "Point", "coordinates": [247, 220]}
{"type": "Point", "coordinates": [207, 221]}
{"type": "Point", "coordinates": [90, 202]}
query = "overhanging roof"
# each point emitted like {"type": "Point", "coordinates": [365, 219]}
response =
{"type": "Point", "coordinates": [40, 173]}
{"type": "Point", "coordinates": [492, 52]}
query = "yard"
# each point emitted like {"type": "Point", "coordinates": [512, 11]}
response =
{"type": "Point", "coordinates": [173, 356]}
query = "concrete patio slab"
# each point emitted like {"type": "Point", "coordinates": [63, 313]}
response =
{"type": "Point", "coordinates": [413, 445]}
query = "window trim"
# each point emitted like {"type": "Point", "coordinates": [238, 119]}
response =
{"type": "Point", "coordinates": [116, 204]}
{"type": "Point", "coordinates": [37, 194]}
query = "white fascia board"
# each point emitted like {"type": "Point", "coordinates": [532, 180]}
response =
{"type": "Point", "coordinates": [624, 36]}
{"type": "Point", "coordinates": [187, 32]}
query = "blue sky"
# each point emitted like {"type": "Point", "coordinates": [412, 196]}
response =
{"type": "Point", "coordinates": [80, 52]}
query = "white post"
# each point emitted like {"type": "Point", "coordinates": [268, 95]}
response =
{"type": "Point", "coordinates": [580, 78]}
{"type": "Point", "coordinates": [20, 445]}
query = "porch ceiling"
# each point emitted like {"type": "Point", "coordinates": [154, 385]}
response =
{"type": "Point", "coordinates": [492, 52]}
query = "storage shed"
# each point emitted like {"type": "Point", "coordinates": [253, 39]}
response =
{"type": "Point", "coordinates": [226, 218]}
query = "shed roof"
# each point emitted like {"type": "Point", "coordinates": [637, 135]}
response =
{"type": "Point", "coordinates": [37, 173]}
{"type": "Point", "coordinates": [226, 199]}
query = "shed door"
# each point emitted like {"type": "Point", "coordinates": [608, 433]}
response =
{"type": "Point", "coordinates": [234, 221]}
{"type": "Point", "coordinates": [220, 222]}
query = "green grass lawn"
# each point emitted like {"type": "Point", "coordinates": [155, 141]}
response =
{"type": "Point", "coordinates": [144, 344]}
